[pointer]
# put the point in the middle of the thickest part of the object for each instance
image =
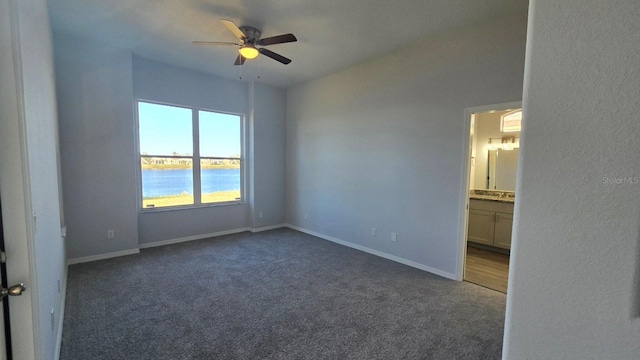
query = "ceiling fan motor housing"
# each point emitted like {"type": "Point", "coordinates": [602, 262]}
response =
{"type": "Point", "coordinates": [253, 34]}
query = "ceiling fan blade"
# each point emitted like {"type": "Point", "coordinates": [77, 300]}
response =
{"type": "Point", "coordinates": [280, 39]}
{"type": "Point", "coordinates": [274, 56]}
{"type": "Point", "coordinates": [234, 29]}
{"type": "Point", "coordinates": [240, 60]}
{"type": "Point", "coordinates": [205, 43]}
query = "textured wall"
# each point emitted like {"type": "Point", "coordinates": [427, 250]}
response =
{"type": "Point", "coordinates": [381, 144]}
{"type": "Point", "coordinates": [574, 290]}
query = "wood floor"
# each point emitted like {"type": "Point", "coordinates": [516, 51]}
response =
{"type": "Point", "coordinates": [487, 268]}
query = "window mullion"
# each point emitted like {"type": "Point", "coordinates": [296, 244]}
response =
{"type": "Point", "coordinates": [197, 181]}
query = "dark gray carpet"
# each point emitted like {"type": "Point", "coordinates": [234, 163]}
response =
{"type": "Point", "coordinates": [279, 294]}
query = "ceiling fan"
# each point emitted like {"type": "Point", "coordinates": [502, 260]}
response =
{"type": "Point", "coordinates": [249, 40]}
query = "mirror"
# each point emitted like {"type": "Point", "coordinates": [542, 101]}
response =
{"type": "Point", "coordinates": [501, 169]}
{"type": "Point", "coordinates": [495, 169]}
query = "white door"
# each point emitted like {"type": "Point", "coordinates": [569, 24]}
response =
{"type": "Point", "coordinates": [3, 348]}
{"type": "Point", "coordinates": [5, 292]}
{"type": "Point", "coordinates": [15, 195]}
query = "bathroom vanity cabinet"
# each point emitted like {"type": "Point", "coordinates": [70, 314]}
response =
{"type": "Point", "coordinates": [490, 223]}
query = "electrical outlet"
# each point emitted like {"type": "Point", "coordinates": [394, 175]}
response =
{"type": "Point", "coordinates": [260, 214]}
{"type": "Point", "coordinates": [306, 216]}
{"type": "Point", "coordinates": [110, 234]}
{"type": "Point", "coordinates": [394, 237]}
{"type": "Point", "coordinates": [373, 231]}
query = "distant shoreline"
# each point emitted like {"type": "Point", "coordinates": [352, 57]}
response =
{"type": "Point", "coordinates": [185, 167]}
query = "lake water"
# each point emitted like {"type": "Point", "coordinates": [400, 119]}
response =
{"type": "Point", "coordinates": [177, 181]}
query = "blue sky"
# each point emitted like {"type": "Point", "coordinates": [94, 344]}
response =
{"type": "Point", "coordinates": [168, 129]}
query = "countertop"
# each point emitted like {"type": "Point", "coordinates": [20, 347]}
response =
{"type": "Point", "coordinates": [493, 198]}
{"type": "Point", "coordinates": [493, 195]}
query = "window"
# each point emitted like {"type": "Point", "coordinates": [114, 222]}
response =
{"type": "Point", "coordinates": [511, 121]}
{"type": "Point", "coordinates": [189, 156]}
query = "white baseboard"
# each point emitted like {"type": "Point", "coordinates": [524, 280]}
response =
{"type": "Point", "coordinates": [194, 237]}
{"type": "Point", "coordinates": [169, 242]}
{"type": "Point", "coordinates": [102, 256]}
{"type": "Point", "coordinates": [266, 228]}
{"type": "Point", "coordinates": [63, 302]}
{"type": "Point", "coordinates": [210, 235]}
{"type": "Point", "coordinates": [377, 253]}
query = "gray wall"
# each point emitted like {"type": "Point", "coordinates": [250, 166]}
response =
{"type": "Point", "coordinates": [168, 84]}
{"type": "Point", "coordinates": [574, 284]}
{"type": "Point", "coordinates": [97, 87]}
{"type": "Point", "coordinates": [269, 155]}
{"type": "Point", "coordinates": [95, 107]}
{"type": "Point", "coordinates": [265, 113]}
{"type": "Point", "coordinates": [29, 178]}
{"type": "Point", "coordinates": [381, 144]}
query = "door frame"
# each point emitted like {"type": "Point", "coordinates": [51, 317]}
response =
{"type": "Point", "coordinates": [466, 177]}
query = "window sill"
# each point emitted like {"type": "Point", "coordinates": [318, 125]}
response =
{"type": "Point", "coordinates": [190, 207]}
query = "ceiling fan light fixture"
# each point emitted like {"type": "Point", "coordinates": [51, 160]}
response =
{"type": "Point", "coordinates": [249, 52]}
{"type": "Point", "coordinates": [248, 38]}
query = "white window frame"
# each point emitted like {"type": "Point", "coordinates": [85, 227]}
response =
{"type": "Point", "coordinates": [196, 169]}
{"type": "Point", "coordinates": [511, 125]}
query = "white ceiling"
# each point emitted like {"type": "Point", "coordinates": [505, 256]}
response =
{"type": "Point", "coordinates": [332, 34]}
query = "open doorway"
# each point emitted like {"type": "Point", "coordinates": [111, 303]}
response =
{"type": "Point", "coordinates": [494, 142]}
